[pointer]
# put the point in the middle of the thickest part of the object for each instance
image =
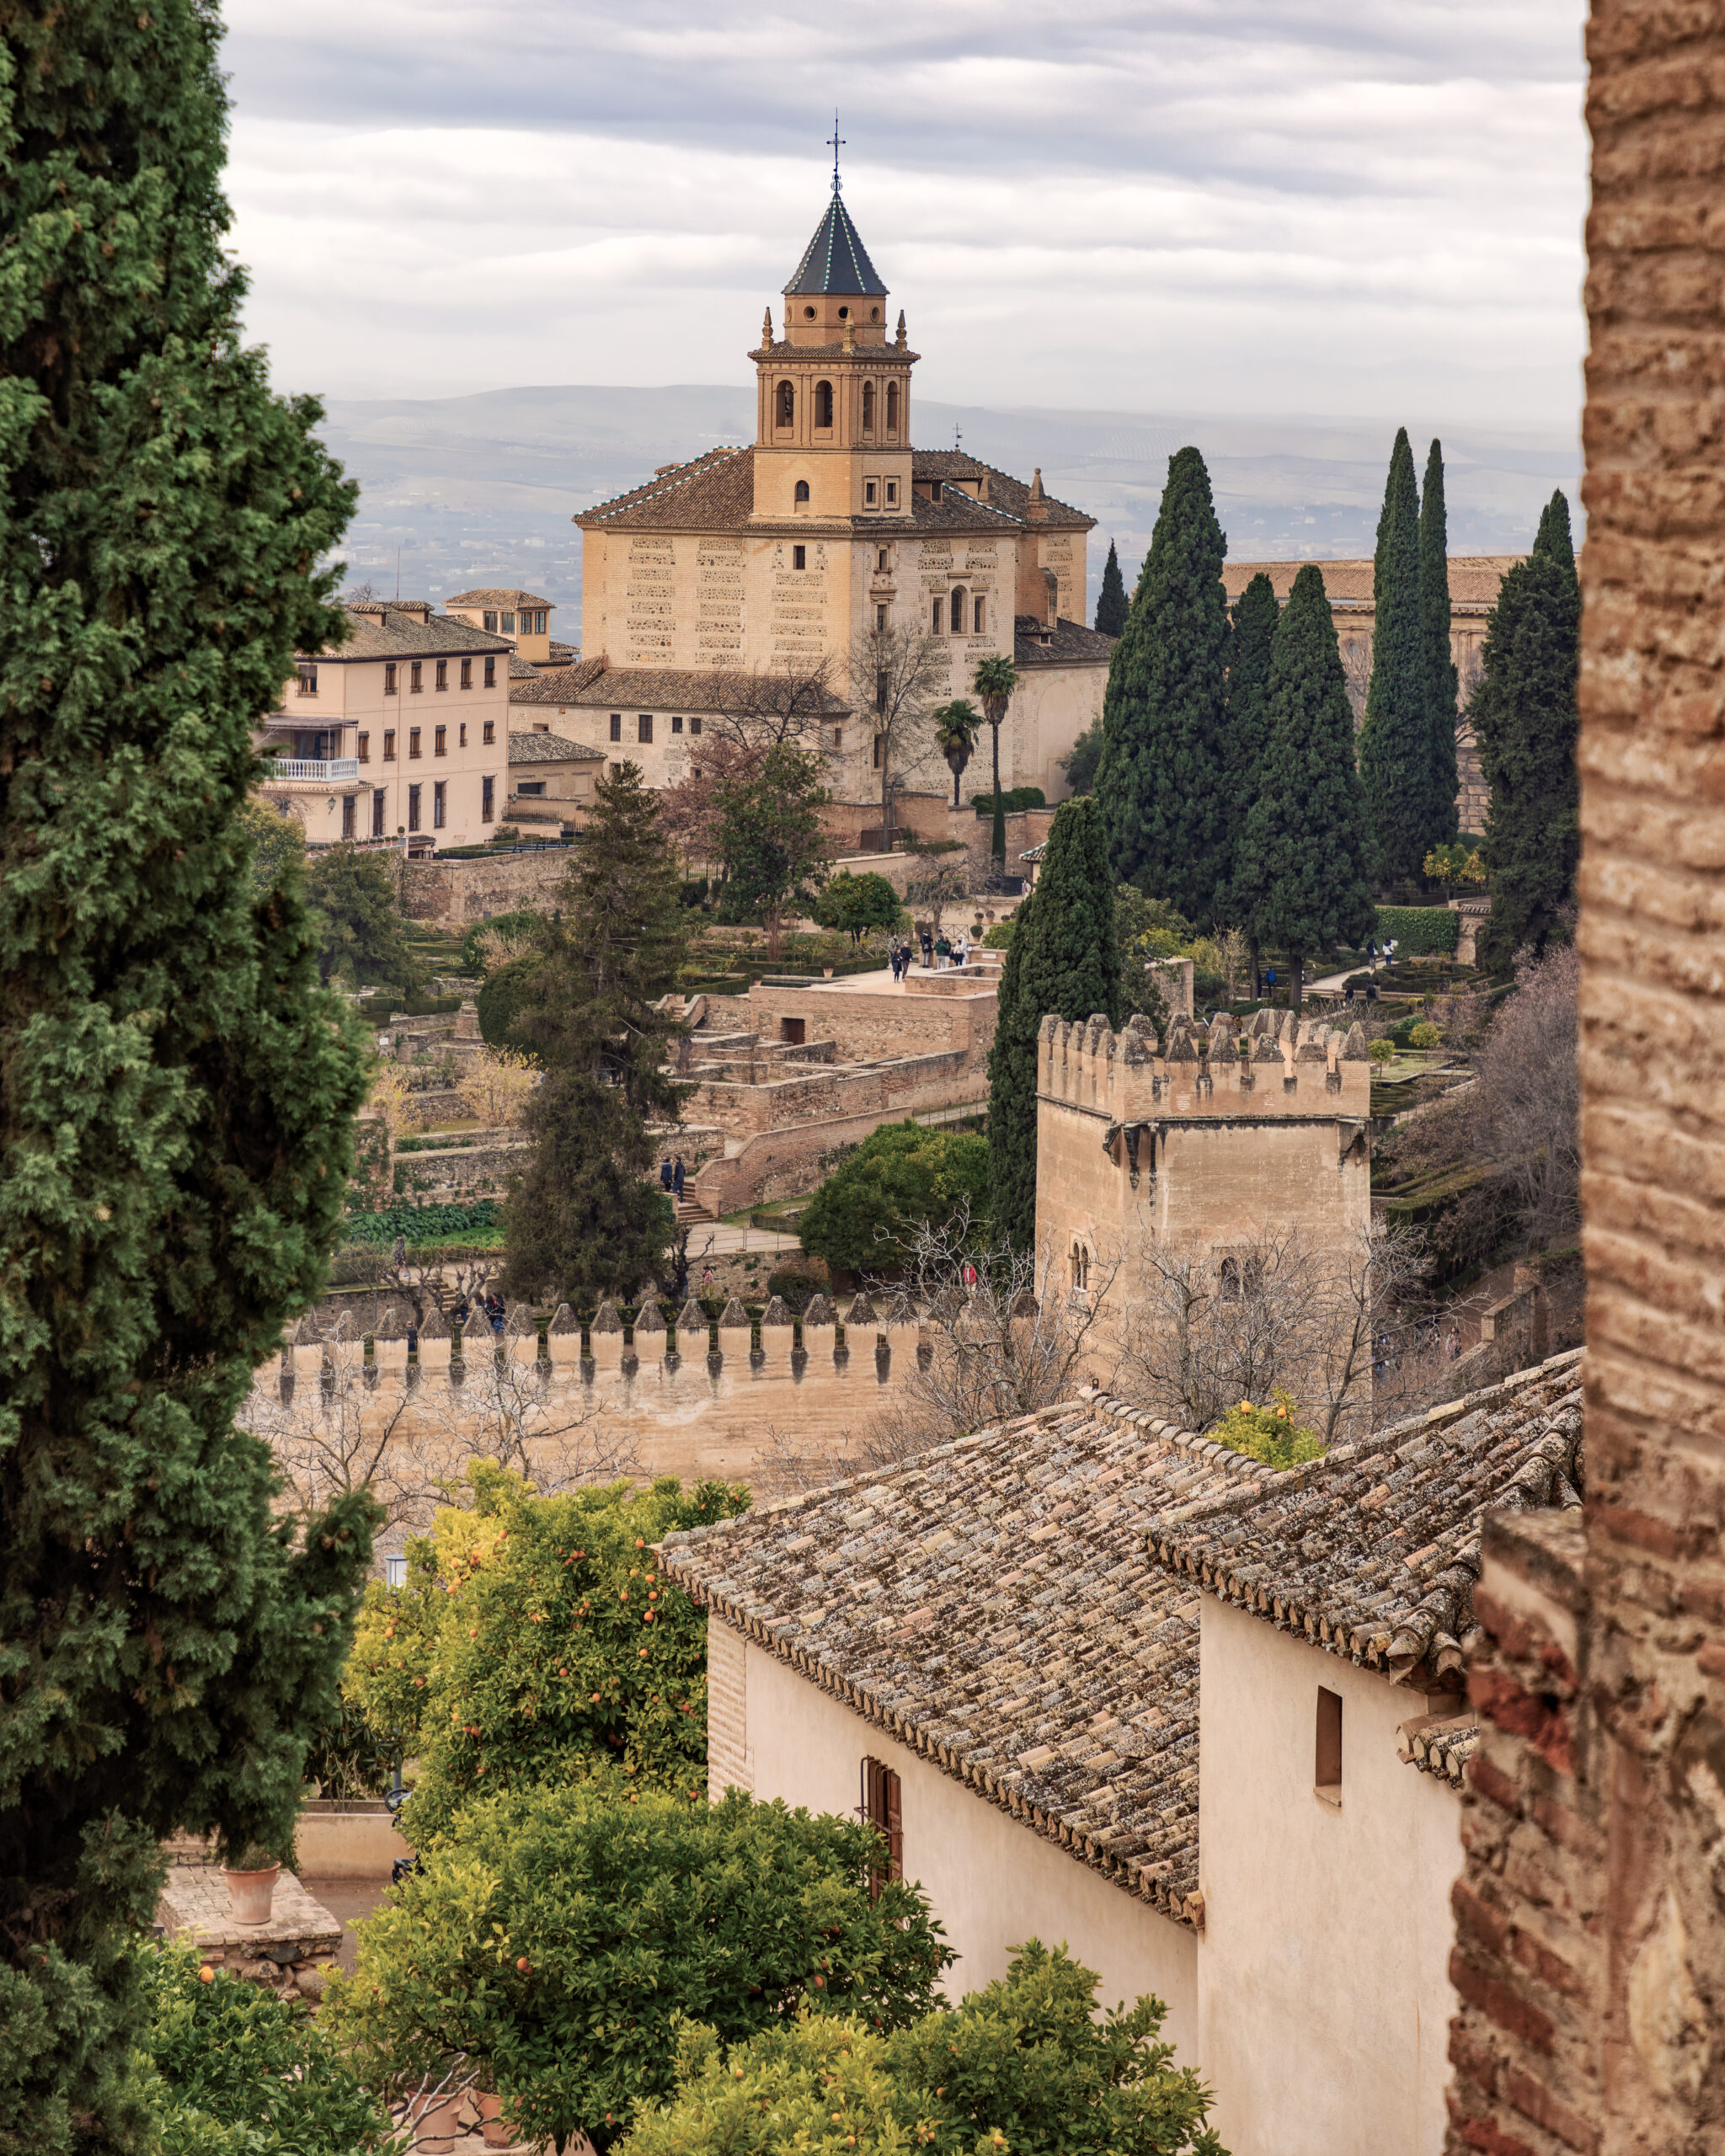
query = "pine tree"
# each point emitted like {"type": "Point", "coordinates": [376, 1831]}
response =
{"type": "Point", "coordinates": [1160, 780]}
{"type": "Point", "coordinates": [1525, 722]}
{"type": "Point", "coordinates": [1256, 614]}
{"type": "Point", "coordinates": [356, 917]}
{"type": "Point", "coordinates": [1063, 961]}
{"type": "Point", "coordinates": [176, 1090]}
{"type": "Point", "coordinates": [1111, 600]}
{"type": "Point", "coordinates": [1395, 742]}
{"type": "Point", "coordinates": [1304, 870]}
{"type": "Point", "coordinates": [582, 1218]}
{"type": "Point", "coordinates": [1441, 679]}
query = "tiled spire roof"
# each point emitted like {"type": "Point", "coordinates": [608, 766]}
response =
{"type": "Point", "coordinates": [836, 260]}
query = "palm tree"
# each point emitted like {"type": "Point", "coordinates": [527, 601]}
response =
{"type": "Point", "coordinates": [994, 681]}
{"type": "Point", "coordinates": [956, 726]}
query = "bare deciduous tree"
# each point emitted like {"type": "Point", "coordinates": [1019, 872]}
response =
{"type": "Point", "coordinates": [758, 709]}
{"type": "Point", "coordinates": [896, 675]}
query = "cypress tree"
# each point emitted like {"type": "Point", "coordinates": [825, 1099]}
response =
{"type": "Point", "coordinates": [1395, 742]}
{"type": "Point", "coordinates": [1063, 961]}
{"type": "Point", "coordinates": [1526, 724]}
{"type": "Point", "coordinates": [1111, 600]}
{"type": "Point", "coordinates": [1256, 614]}
{"type": "Point", "coordinates": [1304, 870]}
{"type": "Point", "coordinates": [176, 1090]}
{"type": "Point", "coordinates": [1441, 679]}
{"type": "Point", "coordinates": [1160, 779]}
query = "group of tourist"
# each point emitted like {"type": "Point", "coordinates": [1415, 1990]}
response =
{"type": "Point", "coordinates": [670, 1175]}
{"type": "Point", "coordinates": [939, 952]}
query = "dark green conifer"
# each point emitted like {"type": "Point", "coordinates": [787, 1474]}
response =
{"type": "Point", "coordinates": [176, 1090]}
{"type": "Point", "coordinates": [1255, 616]}
{"type": "Point", "coordinates": [1111, 600]}
{"type": "Point", "coordinates": [1395, 742]}
{"type": "Point", "coordinates": [1304, 863]}
{"type": "Point", "coordinates": [1160, 779]}
{"type": "Point", "coordinates": [1063, 962]}
{"type": "Point", "coordinates": [1441, 681]}
{"type": "Point", "coordinates": [1525, 722]}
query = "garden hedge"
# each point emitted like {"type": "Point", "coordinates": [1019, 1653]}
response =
{"type": "Point", "coordinates": [1419, 932]}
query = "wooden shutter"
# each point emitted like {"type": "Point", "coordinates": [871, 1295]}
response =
{"type": "Point", "coordinates": [882, 1807]}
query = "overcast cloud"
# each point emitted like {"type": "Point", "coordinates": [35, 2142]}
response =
{"type": "Point", "coordinates": [1367, 208]}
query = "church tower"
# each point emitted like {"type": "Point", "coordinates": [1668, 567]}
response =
{"type": "Point", "coordinates": [832, 437]}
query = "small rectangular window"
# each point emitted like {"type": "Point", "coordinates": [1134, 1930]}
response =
{"type": "Point", "coordinates": [892, 493]}
{"type": "Point", "coordinates": [389, 677]}
{"type": "Point", "coordinates": [461, 740]}
{"type": "Point", "coordinates": [413, 743]}
{"type": "Point", "coordinates": [413, 807]}
{"type": "Point", "coordinates": [348, 802]}
{"type": "Point", "coordinates": [416, 682]}
{"type": "Point", "coordinates": [508, 623]}
{"type": "Point", "coordinates": [443, 673]}
{"type": "Point", "coordinates": [395, 1571]}
{"type": "Point", "coordinates": [378, 799]}
{"type": "Point", "coordinates": [799, 557]}
{"type": "Point", "coordinates": [489, 738]}
{"type": "Point", "coordinates": [676, 726]}
{"type": "Point", "coordinates": [939, 616]}
{"type": "Point", "coordinates": [881, 564]}
{"type": "Point", "coordinates": [538, 623]}
{"type": "Point", "coordinates": [439, 794]}
{"type": "Point", "coordinates": [307, 681]}
{"type": "Point", "coordinates": [976, 625]}
{"type": "Point", "coordinates": [466, 673]}
{"type": "Point", "coordinates": [491, 673]}
{"type": "Point", "coordinates": [440, 742]}
{"type": "Point", "coordinates": [870, 494]}
{"type": "Point", "coordinates": [882, 1808]}
{"type": "Point", "coordinates": [695, 724]}
{"type": "Point", "coordinates": [488, 799]}
{"type": "Point", "coordinates": [365, 748]}
{"type": "Point", "coordinates": [389, 744]}
{"type": "Point", "coordinates": [1327, 1774]}
{"type": "Point", "coordinates": [838, 737]}
{"type": "Point", "coordinates": [879, 745]}
{"type": "Point", "coordinates": [644, 726]}
{"type": "Point", "coordinates": [491, 619]}
{"type": "Point", "coordinates": [880, 618]}
{"type": "Point", "coordinates": [616, 726]}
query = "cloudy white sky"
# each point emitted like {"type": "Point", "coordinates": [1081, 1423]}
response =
{"type": "Point", "coordinates": [1349, 207]}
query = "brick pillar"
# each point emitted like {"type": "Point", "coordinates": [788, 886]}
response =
{"type": "Point", "coordinates": [1653, 760]}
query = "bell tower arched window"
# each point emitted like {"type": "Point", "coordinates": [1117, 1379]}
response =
{"type": "Point", "coordinates": [823, 404]}
{"type": "Point", "coordinates": [892, 408]}
{"type": "Point", "coordinates": [802, 492]}
{"type": "Point", "coordinates": [786, 413]}
{"type": "Point", "coordinates": [868, 408]}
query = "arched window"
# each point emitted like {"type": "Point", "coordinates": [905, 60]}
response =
{"type": "Point", "coordinates": [958, 612]}
{"type": "Point", "coordinates": [823, 403]}
{"type": "Point", "coordinates": [787, 405]}
{"type": "Point", "coordinates": [892, 408]}
{"type": "Point", "coordinates": [978, 625]}
{"type": "Point", "coordinates": [868, 408]}
{"type": "Point", "coordinates": [802, 493]}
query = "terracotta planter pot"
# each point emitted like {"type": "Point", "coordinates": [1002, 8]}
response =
{"type": "Point", "coordinates": [827, 970]}
{"type": "Point", "coordinates": [491, 2130]}
{"type": "Point", "coordinates": [436, 2122]}
{"type": "Point", "coordinates": [251, 1894]}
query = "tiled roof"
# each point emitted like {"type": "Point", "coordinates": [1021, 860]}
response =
{"type": "Point", "coordinates": [1071, 643]}
{"type": "Point", "coordinates": [995, 1607]}
{"type": "Point", "coordinates": [836, 260]}
{"type": "Point", "coordinates": [385, 630]}
{"type": "Point", "coordinates": [543, 684]}
{"type": "Point", "coordinates": [1007, 497]}
{"type": "Point", "coordinates": [1372, 1551]}
{"type": "Point", "coordinates": [563, 654]}
{"type": "Point", "coordinates": [549, 748]}
{"type": "Point", "coordinates": [520, 670]}
{"type": "Point", "coordinates": [516, 599]}
{"type": "Point", "coordinates": [711, 492]}
{"type": "Point", "coordinates": [1439, 1745]}
{"type": "Point", "coordinates": [1474, 578]}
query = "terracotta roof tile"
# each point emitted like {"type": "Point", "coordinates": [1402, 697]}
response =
{"type": "Point", "coordinates": [1071, 645]}
{"type": "Point", "coordinates": [711, 492]}
{"type": "Point", "coordinates": [389, 630]}
{"type": "Point", "coordinates": [557, 685]}
{"type": "Point", "coordinates": [550, 749]}
{"type": "Point", "coordinates": [516, 599]}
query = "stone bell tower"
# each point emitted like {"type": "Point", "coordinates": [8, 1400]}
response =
{"type": "Point", "coordinates": [832, 437]}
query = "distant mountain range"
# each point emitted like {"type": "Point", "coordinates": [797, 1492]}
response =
{"type": "Point", "coordinates": [480, 490]}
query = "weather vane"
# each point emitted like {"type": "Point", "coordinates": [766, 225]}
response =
{"type": "Point", "coordinates": [837, 142]}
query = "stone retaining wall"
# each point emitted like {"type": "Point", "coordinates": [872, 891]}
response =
{"type": "Point", "coordinates": [456, 893]}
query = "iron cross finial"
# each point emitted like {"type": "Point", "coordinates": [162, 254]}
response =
{"type": "Point", "coordinates": [837, 142]}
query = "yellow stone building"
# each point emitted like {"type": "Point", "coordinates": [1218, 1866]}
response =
{"type": "Point", "coordinates": [829, 526]}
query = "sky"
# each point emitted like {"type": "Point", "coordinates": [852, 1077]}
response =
{"type": "Point", "coordinates": [1358, 208]}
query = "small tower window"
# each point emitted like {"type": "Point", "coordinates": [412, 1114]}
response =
{"type": "Point", "coordinates": [868, 408]}
{"type": "Point", "coordinates": [808, 314]}
{"type": "Point", "coordinates": [844, 314]}
{"type": "Point", "coordinates": [979, 622]}
{"type": "Point", "coordinates": [1326, 1770]}
{"type": "Point", "coordinates": [892, 493]}
{"type": "Point", "coordinates": [787, 405]}
{"type": "Point", "coordinates": [802, 492]}
{"type": "Point", "coordinates": [823, 404]}
{"type": "Point", "coordinates": [871, 492]}
{"type": "Point", "coordinates": [958, 612]}
{"type": "Point", "coordinates": [938, 621]}
{"type": "Point", "coordinates": [882, 564]}
{"type": "Point", "coordinates": [892, 408]}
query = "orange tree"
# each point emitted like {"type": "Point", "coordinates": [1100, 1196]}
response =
{"type": "Point", "coordinates": [557, 1946]}
{"type": "Point", "coordinates": [533, 1640]}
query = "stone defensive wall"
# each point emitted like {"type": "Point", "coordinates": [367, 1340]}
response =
{"type": "Point", "coordinates": [1193, 1143]}
{"type": "Point", "coordinates": [456, 893]}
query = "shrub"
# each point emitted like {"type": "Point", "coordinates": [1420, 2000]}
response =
{"type": "Point", "coordinates": [1419, 932]}
{"type": "Point", "coordinates": [560, 1940]}
{"type": "Point", "coordinates": [1272, 1434]}
{"type": "Point", "coordinates": [423, 1223]}
{"type": "Point", "coordinates": [1013, 799]}
{"type": "Point", "coordinates": [1000, 935]}
{"type": "Point", "coordinates": [1425, 1034]}
{"type": "Point", "coordinates": [532, 1639]}
{"type": "Point", "coordinates": [796, 1284]}
{"type": "Point", "coordinates": [1026, 2065]}
{"type": "Point", "coordinates": [1382, 1051]}
{"type": "Point", "coordinates": [241, 2073]}
{"type": "Point", "coordinates": [851, 904]}
{"type": "Point", "coordinates": [506, 994]}
{"type": "Point", "coordinates": [524, 921]}
{"type": "Point", "coordinates": [901, 1178]}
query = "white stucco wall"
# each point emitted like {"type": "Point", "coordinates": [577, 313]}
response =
{"type": "Point", "coordinates": [991, 1882]}
{"type": "Point", "coordinates": [1323, 2000]}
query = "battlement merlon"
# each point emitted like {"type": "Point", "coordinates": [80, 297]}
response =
{"type": "Point", "coordinates": [1298, 1069]}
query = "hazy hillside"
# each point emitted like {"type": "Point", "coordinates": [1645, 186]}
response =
{"type": "Point", "coordinates": [480, 490]}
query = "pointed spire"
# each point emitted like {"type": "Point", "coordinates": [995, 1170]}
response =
{"type": "Point", "coordinates": [1036, 492]}
{"type": "Point", "coordinates": [766, 329]}
{"type": "Point", "coordinates": [902, 338]}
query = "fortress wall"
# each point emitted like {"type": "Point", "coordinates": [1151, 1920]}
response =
{"type": "Point", "coordinates": [864, 1025]}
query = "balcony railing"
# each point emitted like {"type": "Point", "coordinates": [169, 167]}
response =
{"type": "Point", "coordinates": [331, 771]}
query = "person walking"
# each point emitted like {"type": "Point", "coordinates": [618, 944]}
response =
{"type": "Point", "coordinates": [942, 952]}
{"type": "Point", "coordinates": [664, 1175]}
{"type": "Point", "coordinates": [1270, 981]}
{"type": "Point", "coordinates": [893, 959]}
{"type": "Point", "coordinates": [677, 1179]}
{"type": "Point", "coordinates": [961, 950]}
{"type": "Point", "coordinates": [926, 935]}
